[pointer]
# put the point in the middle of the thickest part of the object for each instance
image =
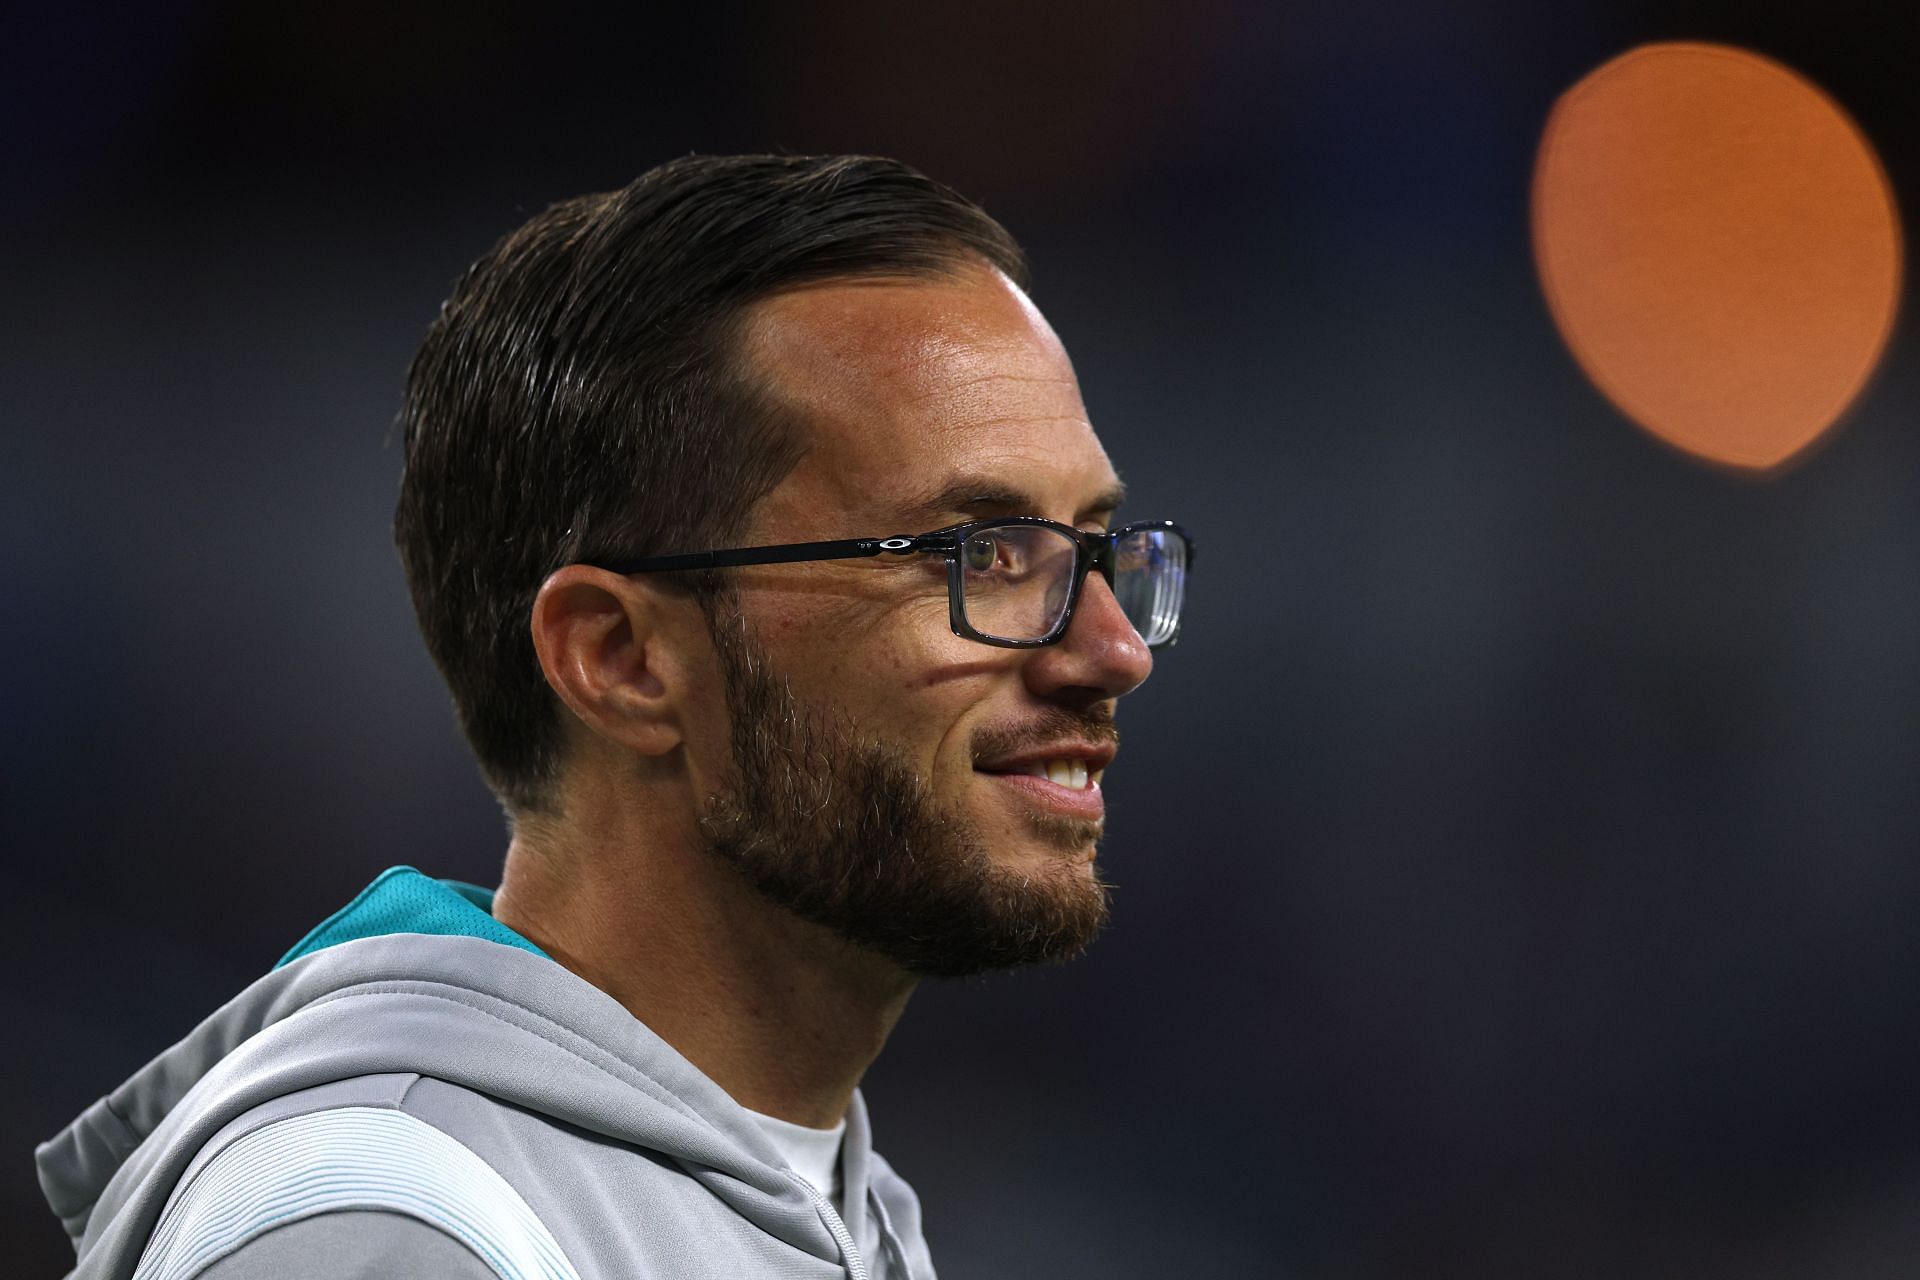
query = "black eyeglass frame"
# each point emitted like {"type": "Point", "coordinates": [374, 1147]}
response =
{"type": "Point", "coordinates": [1092, 551]}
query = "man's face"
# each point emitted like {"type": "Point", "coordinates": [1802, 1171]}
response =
{"type": "Point", "coordinates": [885, 776]}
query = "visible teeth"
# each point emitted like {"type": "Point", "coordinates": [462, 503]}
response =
{"type": "Point", "coordinates": [1097, 775]}
{"type": "Point", "coordinates": [1072, 774]}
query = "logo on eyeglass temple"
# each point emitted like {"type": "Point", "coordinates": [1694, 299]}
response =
{"type": "Point", "coordinates": [895, 544]}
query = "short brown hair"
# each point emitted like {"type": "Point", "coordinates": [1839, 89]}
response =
{"type": "Point", "coordinates": [581, 396]}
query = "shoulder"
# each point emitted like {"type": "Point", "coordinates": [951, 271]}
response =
{"type": "Point", "coordinates": [368, 1184]}
{"type": "Point", "coordinates": [357, 1244]}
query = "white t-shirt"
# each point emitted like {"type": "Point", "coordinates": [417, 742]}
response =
{"type": "Point", "coordinates": [814, 1154]}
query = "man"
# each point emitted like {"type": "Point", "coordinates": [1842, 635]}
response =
{"type": "Point", "coordinates": [753, 516]}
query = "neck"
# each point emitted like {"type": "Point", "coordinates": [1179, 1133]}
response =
{"type": "Point", "coordinates": [781, 1013]}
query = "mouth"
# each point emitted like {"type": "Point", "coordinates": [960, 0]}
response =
{"type": "Point", "coordinates": [1063, 779]}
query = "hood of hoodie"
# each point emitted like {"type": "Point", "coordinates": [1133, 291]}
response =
{"type": "Point", "coordinates": [415, 976]}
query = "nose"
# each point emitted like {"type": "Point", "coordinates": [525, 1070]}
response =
{"type": "Point", "coordinates": [1100, 657]}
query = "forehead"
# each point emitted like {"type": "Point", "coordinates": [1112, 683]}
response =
{"type": "Point", "coordinates": [917, 391]}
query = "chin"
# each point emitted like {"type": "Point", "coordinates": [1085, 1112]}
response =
{"type": "Point", "coordinates": [1049, 841]}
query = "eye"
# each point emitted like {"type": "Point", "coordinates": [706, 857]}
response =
{"type": "Point", "coordinates": [981, 552]}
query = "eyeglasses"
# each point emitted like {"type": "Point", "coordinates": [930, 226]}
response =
{"type": "Point", "coordinates": [1013, 581]}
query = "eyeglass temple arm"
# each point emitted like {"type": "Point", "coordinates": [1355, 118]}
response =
{"type": "Point", "coordinates": [785, 553]}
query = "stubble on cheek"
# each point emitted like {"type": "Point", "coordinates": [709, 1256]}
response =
{"type": "Point", "coordinates": [838, 826]}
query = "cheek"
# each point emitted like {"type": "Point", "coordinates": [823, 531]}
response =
{"type": "Point", "coordinates": [902, 688]}
{"type": "Point", "coordinates": [918, 690]}
{"type": "Point", "coordinates": [939, 704]}
{"type": "Point", "coordinates": [859, 651]}
{"type": "Point", "coordinates": [893, 665]}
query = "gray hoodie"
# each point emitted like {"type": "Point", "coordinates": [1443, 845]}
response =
{"type": "Point", "coordinates": [417, 1091]}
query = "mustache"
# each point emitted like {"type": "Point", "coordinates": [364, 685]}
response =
{"type": "Point", "coordinates": [1050, 726]}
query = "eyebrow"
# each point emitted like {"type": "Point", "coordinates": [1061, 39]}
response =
{"type": "Point", "coordinates": [980, 495]}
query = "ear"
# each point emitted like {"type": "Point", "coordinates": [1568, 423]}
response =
{"type": "Point", "coordinates": [600, 642]}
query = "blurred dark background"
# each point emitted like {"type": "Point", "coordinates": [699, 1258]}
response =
{"type": "Point", "coordinates": [1517, 857]}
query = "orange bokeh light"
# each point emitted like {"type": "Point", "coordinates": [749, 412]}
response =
{"type": "Point", "coordinates": [1719, 247]}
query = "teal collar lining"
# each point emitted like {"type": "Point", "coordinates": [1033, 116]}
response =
{"type": "Point", "coordinates": [401, 900]}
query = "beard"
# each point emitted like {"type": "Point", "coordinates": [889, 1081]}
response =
{"type": "Point", "coordinates": [835, 825]}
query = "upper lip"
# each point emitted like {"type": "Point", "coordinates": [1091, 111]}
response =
{"type": "Point", "coordinates": [1097, 755]}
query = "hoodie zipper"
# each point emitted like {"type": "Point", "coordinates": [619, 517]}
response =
{"type": "Point", "coordinates": [856, 1265]}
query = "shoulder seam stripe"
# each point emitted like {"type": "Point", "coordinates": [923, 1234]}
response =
{"type": "Point", "coordinates": [350, 1158]}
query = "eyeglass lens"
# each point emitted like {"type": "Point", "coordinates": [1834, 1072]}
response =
{"type": "Point", "coordinates": [1150, 582]}
{"type": "Point", "coordinates": [1015, 581]}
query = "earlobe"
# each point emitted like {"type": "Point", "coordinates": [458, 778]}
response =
{"type": "Point", "coordinates": [597, 635]}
